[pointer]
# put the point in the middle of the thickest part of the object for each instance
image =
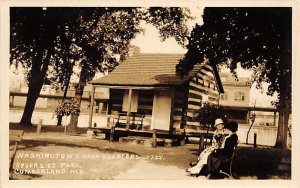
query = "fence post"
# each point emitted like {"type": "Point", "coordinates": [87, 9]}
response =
{"type": "Point", "coordinates": [112, 132]}
{"type": "Point", "coordinates": [39, 127]}
{"type": "Point", "coordinates": [154, 136]}
{"type": "Point", "coordinates": [255, 138]}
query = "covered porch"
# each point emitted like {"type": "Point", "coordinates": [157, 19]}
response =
{"type": "Point", "coordinates": [137, 108]}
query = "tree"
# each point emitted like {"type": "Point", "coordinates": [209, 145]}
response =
{"type": "Point", "coordinates": [100, 35]}
{"type": "Point", "coordinates": [115, 29]}
{"type": "Point", "coordinates": [34, 36]}
{"type": "Point", "coordinates": [257, 39]}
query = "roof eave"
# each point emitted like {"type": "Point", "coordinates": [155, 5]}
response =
{"type": "Point", "coordinates": [218, 79]}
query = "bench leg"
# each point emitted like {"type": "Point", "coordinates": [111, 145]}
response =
{"type": "Point", "coordinates": [226, 174]}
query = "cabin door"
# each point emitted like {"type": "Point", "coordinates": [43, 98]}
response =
{"type": "Point", "coordinates": [161, 111]}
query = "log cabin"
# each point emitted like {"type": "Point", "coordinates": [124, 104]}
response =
{"type": "Point", "coordinates": [146, 94]}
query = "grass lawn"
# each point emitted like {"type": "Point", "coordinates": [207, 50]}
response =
{"type": "Point", "coordinates": [101, 159]}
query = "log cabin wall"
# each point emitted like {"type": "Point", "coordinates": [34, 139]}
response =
{"type": "Point", "coordinates": [180, 106]}
{"type": "Point", "coordinates": [202, 88]}
{"type": "Point", "coordinates": [187, 99]}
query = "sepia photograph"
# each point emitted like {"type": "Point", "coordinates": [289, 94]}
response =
{"type": "Point", "coordinates": [193, 92]}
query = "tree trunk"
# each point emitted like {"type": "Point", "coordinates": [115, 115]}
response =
{"type": "Point", "coordinates": [36, 81]}
{"type": "Point", "coordinates": [32, 96]}
{"type": "Point", "coordinates": [85, 76]}
{"type": "Point", "coordinates": [283, 123]}
{"type": "Point", "coordinates": [59, 118]}
{"type": "Point", "coordinates": [72, 127]}
{"type": "Point", "coordinates": [279, 139]}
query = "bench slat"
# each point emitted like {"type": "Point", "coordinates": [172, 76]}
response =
{"type": "Point", "coordinates": [136, 120]}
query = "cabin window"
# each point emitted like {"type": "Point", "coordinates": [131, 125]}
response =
{"type": "Point", "coordinates": [134, 101]}
{"type": "Point", "coordinates": [239, 96]}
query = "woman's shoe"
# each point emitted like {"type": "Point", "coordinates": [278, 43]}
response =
{"type": "Point", "coordinates": [192, 164]}
{"type": "Point", "coordinates": [192, 174]}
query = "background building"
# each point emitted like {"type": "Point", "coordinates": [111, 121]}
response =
{"type": "Point", "coordinates": [236, 94]}
{"type": "Point", "coordinates": [253, 120]}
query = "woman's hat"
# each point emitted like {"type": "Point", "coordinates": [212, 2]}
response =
{"type": "Point", "coordinates": [218, 121]}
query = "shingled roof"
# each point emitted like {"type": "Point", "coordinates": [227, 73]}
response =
{"type": "Point", "coordinates": [231, 81]}
{"type": "Point", "coordinates": [147, 69]}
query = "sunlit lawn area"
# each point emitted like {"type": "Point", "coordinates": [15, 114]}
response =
{"type": "Point", "coordinates": [101, 159]}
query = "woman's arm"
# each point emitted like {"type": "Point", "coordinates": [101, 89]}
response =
{"type": "Point", "coordinates": [230, 143]}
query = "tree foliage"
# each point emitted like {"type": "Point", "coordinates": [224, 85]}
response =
{"type": "Point", "coordinates": [33, 44]}
{"type": "Point", "coordinates": [68, 107]}
{"type": "Point", "coordinates": [254, 38]}
{"type": "Point", "coordinates": [93, 39]}
{"type": "Point", "coordinates": [208, 113]}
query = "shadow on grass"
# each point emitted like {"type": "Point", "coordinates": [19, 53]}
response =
{"type": "Point", "coordinates": [261, 163]}
{"type": "Point", "coordinates": [25, 176]}
{"type": "Point", "coordinates": [32, 144]}
{"type": "Point", "coordinates": [45, 128]}
{"type": "Point", "coordinates": [264, 163]}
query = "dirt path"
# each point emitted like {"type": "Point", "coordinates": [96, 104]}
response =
{"type": "Point", "coordinates": [146, 170]}
{"type": "Point", "coordinates": [58, 156]}
{"type": "Point", "coordinates": [101, 159]}
{"type": "Point", "coordinates": [64, 162]}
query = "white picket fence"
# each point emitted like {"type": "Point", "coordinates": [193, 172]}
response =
{"type": "Point", "coordinates": [49, 118]}
{"type": "Point", "coordinates": [266, 135]}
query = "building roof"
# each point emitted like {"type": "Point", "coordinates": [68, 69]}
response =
{"type": "Point", "coordinates": [236, 84]}
{"type": "Point", "coordinates": [147, 69]}
{"type": "Point", "coordinates": [228, 80]}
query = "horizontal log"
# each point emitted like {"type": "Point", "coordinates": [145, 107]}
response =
{"type": "Point", "coordinates": [195, 103]}
{"type": "Point", "coordinates": [195, 96]}
{"type": "Point", "coordinates": [194, 107]}
{"type": "Point", "coordinates": [204, 90]}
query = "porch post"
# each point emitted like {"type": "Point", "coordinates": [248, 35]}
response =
{"type": "Point", "coordinates": [128, 109]}
{"type": "Point", "coordinates": [91, 106]}
{"type": "Point", "coordinates": [106, 114]}
{"type": "Point", "coordinates": [274, 118]}
{"type": "Point", "coordinates": [171, 127]}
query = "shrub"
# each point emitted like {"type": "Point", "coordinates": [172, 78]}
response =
{"type": "Point", "coordinates": [208, 113]}
{"type": "Point", "coordinates": [68, 107]}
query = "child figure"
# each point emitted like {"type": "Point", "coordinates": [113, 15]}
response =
{"type": "Point", "coordinates": [218, 137]}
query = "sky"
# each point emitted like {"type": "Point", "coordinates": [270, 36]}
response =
{"type": "Point", "coordinates": [149, 42]}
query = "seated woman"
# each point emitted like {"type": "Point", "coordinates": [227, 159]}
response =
{"type": "Point", "coordinates": [222, 155]}
{"type": "Point", "coordinates": [218, 137]}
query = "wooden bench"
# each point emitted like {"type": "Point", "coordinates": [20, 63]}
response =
{"type": "Point", "coordinates": [203, 135]}
{"type": "Point", "coordinates": [226, 168]}
{"type": "Point", "coordinates": [136, 120]}
{"type": "Point", "coordinates": [16, 137]}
